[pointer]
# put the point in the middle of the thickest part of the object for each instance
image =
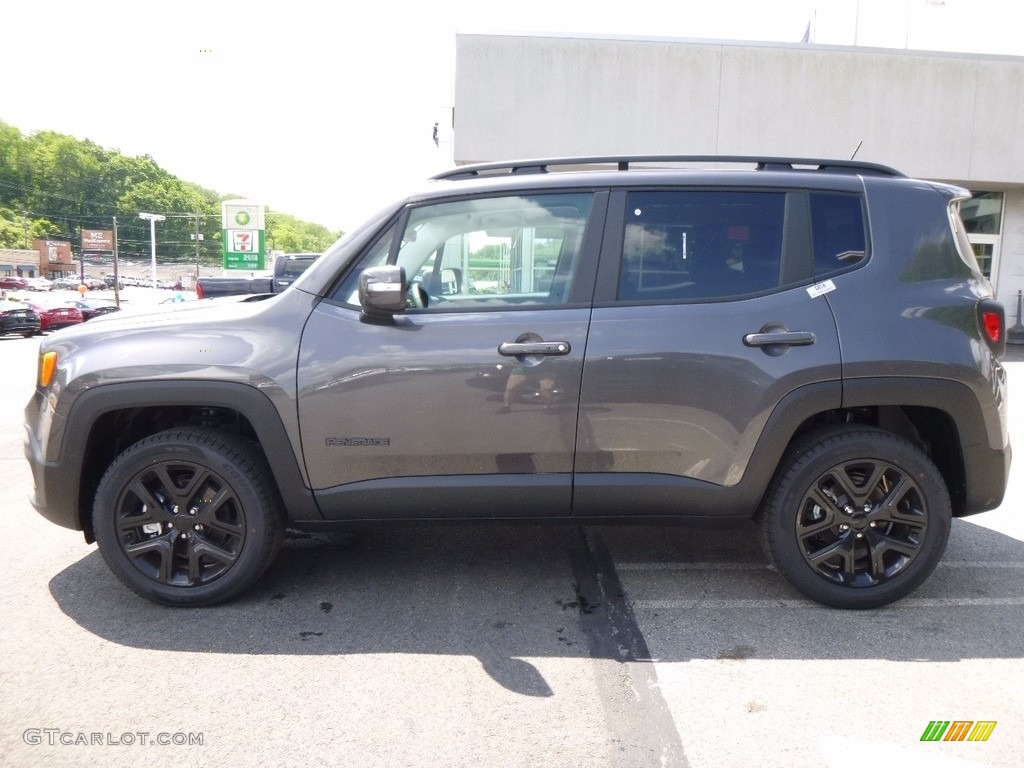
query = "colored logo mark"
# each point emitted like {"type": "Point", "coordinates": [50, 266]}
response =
{"type": "Point", "coordinates": [958, 730]}
{"type": "Point", "coordinates": [242, 218]}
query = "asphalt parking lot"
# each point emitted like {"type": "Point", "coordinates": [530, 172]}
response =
{"type": "Point", "coordinates": [511, 645]}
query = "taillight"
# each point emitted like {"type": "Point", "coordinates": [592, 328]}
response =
{"type": "Point", "coordinates": [199, 290]}
{"type": "Point", "coordinates": [993, 325]}
{"type": "Point", "coordinates": [992, 320]}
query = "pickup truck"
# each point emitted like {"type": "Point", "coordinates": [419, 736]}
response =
{"type": "Point", "coordinates": [286, 269]}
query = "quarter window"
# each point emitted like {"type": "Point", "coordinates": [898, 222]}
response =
{"type": "Point", "coordinates": [837, 227]}
{"type": "Point", "coordinates": [692, 245]}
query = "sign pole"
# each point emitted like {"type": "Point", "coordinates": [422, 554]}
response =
{"type": "Point", "coordinates": [117, 277]}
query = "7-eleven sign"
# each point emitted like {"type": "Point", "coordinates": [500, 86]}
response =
{"type": "Point", "coordinates": [242, 242]}
{"type": "Point", "coordinates": [243, 234]}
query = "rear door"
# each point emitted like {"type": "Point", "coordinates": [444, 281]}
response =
{"type": "Point", "coordinates": [704, 320]}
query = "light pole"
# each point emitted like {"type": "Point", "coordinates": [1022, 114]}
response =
{"type": "Point", "coordinates": [153, 218]}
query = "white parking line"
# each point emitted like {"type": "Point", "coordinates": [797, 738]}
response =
{"type": "Point", "coordinates": [692, 567]}
{"type": "Point", "coordinates": [768, 602]}
{"type": "Point", "coordinates": [767, 567]}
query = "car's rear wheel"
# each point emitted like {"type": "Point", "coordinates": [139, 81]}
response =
{"type": "Point", "coordinates": [188, 517]}
{"type": "Point", "coordinates": [856, 517]}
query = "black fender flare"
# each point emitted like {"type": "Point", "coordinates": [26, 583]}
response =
{"type": "Point", "coordinates": [248, 401]}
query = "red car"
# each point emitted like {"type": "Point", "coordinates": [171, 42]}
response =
{"type": "Point", "coordinates": [59, 316]}
{"type": "Point", "coordinates": [10, 283]}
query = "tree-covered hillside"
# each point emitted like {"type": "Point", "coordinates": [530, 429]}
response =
{"type": "Point", "coordinates": [53, 186]}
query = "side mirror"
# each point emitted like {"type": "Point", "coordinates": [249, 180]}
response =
{"type": "Point", "coordinates": [451, 281]}
{"type": "Point", "coordinates": [382, 291]}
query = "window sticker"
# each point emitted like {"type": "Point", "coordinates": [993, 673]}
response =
{"type": "Point", "coordinates": [820, 289]}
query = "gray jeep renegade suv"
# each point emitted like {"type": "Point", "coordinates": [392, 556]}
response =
{"type": "Point", "coordinates": [588, 340]}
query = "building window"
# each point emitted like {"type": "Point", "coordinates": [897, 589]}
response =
{"type": "Point", "coordinates": [983, 219]}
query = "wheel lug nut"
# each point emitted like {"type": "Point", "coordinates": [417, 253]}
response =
{"type": "Point", "coordinates": [844, 527]}
{"type": "Point", "coordinates": [184, 535]}
{"type": "Point", "coordinates": [848, 510]}
{"type": "Point", "coordinates": [194, 511]}
{"type": "Point", "coordinates": [872, 524]}
{"type": "Point", "coordinates": [170, 525]}
{"type": "Point", "coordinates": [867, 507]}
{"type": "Point", "coordinates": [198, 527]}
{"type": "Point", "coordinates": [174, 509]}
{"type": "Point", "coordinates": [860, 535]}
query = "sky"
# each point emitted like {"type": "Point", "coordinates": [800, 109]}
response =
{"type": "Point", "coordinates": [325, 110]}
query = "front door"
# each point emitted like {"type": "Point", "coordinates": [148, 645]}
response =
{"type": "Point", "coordinates": [465, 404]}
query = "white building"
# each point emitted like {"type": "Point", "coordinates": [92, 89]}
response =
{"type": "Point", "coordinates": [941, 116]}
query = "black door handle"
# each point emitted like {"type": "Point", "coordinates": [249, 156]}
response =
{"type": "Point", "coordinates": [772, 338]}
{"type": "Point", "coordinates": [517, 348]}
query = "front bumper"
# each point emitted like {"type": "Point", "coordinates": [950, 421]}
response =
{"type": "Point", "coordinates": [55, 486]}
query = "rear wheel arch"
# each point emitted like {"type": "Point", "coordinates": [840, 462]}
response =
{"type": "Point", "coordinates": [934, 415]}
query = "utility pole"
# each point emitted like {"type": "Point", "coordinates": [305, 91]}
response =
{"type": "Point", "coordinates": [117, 277]}
{"type": "Point", "coordinates": [197, 237]}
{"type": "Point", "coordinates": [81, 259]}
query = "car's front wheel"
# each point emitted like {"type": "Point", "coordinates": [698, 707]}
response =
{"type": "Point", "coordinates": [856, 517]}
{"type": "Point", "coordinates": [188, 517]}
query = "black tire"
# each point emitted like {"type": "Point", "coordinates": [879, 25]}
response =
{"type": "Point", "coordinates": [188, 517]}
{"type": "Point", "coordinates": [855, 517]}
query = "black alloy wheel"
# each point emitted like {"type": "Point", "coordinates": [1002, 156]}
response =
{"type": "Point", "coordinates": [856, 517]}
{"type": "Point", "coordinates": [861, 523]}
{"type": "Point", "coordinates": [188, 517]}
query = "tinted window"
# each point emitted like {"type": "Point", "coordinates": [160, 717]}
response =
{"type": "Point", "coordinates": [701, 244]}
{"type": "Point", "coordinates": [294, 267]}
{"type": "Point", "coordinates": [837, 226]}
{"type": "Point", "coordinates": [484, 252]}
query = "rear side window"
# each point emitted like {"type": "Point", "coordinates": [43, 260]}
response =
{"type": "Point", "coordinates": [694, 245]}
{"type": "Point", "coordinates": [838, 233]}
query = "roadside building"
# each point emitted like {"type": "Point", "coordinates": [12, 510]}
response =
{"type": "Point", "coordinates": [950, 117]}
{"type": "Point", "coordinates": [17, 262]}
{"type": "Point", "coordinates": [54, 258]}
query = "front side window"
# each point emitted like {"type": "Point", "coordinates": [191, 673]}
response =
{"type": "Point", "coordinates": [695, 245]}
{"type": "Point", "coordinates": [485, 252]}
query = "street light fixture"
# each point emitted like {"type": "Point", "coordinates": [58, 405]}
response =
{"type": "Point", "coordinates": [153, 218]}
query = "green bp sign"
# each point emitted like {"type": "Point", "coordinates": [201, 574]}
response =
{"type": "Point", "coordinates": [244, 235]}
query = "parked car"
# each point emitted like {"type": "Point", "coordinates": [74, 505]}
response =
{"type": "Point", "coordinates": [91, 308]}
{"type": "Point", "coordinates": [55, 316]}
{"type": "Point", "coordinates": [17, 317]}
{"type": "Point", "coordinates": [11, 283]}
{"type": "Point", "coordinates": [806, 343]}
{"type": "Point", "coordinates": [39, 284]}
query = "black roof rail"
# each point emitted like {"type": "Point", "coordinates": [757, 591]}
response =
{"type": "Point", "coordinates": [622, 163]}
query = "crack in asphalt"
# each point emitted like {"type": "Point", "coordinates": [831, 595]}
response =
{"type": "Point", "coordinates": [640, 725]}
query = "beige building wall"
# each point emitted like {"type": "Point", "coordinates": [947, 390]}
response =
{"type": "Point", "coordinates": [940, 116]}
{"type": "Point", "coordinates": [16, 262]}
